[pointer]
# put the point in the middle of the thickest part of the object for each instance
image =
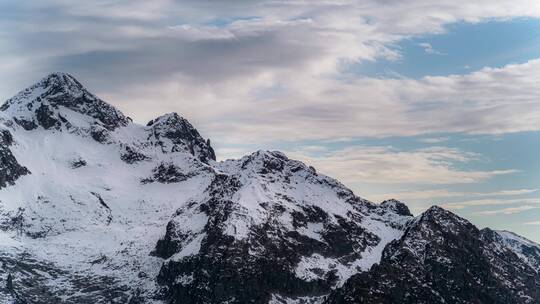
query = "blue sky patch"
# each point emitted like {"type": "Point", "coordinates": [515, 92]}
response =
{"type": "Point", "coordinates": [465, 47]}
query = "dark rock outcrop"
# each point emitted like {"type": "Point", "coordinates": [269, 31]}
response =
{"type": "Point", "coordinates": [130, 155]}
{"type": "Point", "coordinates": [173, 133]}
{"type": "Point", "coordinates": [396, 206]}
{"type": "Point", "coordinates": [166, 173]}
{"type": "Point", "coordinates": [77, 163]}
{"type": "Point", "coordinates": [46, 118]}
{"type": "Point", "coordinates": [10, 169]}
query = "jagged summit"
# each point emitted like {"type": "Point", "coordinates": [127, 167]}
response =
{"type": "Point", "coordinates": [441, 216]}
{"type": "Point", "coordinates": [396, 206]}
{"type": "Point", "coordinates": [60, 102]}
{"type": "Point", "coordinates": [174, 133]}
{"type": "Point", "coordinates": [57, 101]}
{"type": "Point", "coordinates": [63, 80]}
{"type": "Point", "coordinates": [168, 117]}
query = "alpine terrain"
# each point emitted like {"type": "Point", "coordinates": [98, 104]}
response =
{"type": "Point", "coordinates": [95, 208]}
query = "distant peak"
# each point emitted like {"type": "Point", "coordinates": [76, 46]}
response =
{"type": "Point", "coordinates": [61, 79]}
{"type": "Point", "coordinates": [174, 133]}
{"type": "Point", "coordinates": [436, 209]}
{"type": "Point", "coordinates": [397, 206]}
{"type": "Point", "coordinates": [436, 214]}
{"type": "Point", "coordinates": [172, 117]}
{"type": "Point", "coordinates": [511, 236]}
{"type": "Point", "coordinates": [60, 76]}
{"type": "Point", "coordinates": [268, 153]}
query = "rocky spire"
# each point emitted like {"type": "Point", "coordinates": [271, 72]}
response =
{"type": "Point", "coordinates": [174, 133]}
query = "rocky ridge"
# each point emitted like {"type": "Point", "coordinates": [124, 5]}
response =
{"type": "Point", "coordinates": [442, 258]}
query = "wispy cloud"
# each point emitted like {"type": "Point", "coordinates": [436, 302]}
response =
{"type": "Point", "coordinates": [490, 202]}
{"type": "Point", "coordinates": [508, 211]}
{"type": "Point", "coordinates": [428, 49]}
{"type": "Point", "coordinates": [180, 57]}
{"type": "Point", "coordinates": [372, 164]}
{"type": "Point", "coordinates": [433, 194]}
{"type": "Point", "coordinates": [433, 140]}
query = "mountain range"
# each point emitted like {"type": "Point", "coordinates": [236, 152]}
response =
{"type": "Point", "coordinates": [95, 208]}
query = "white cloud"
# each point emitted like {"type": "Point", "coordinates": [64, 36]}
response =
{"type": "Point", "coordinates": [492, 101]}
{"type": "Point", "coordinates": [428, 49]}
{"type": "Point", "coordinates": [385, 165]}
{"type": "Point", "coordinates": [490, 202]}
{"type": "Point", "coordinates": [507, 211]}
{"type": "Point", "coordinates": [210, 64]}
{"type": "Point", "coordinates": [433, 140]}
{"type": "Point", "coordinates": [445, 193]}
{"type": "Point", "coordinates": [534, 223]}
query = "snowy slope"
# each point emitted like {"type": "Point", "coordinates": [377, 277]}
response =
{"type": "Point", "coordinates": [527, 250]}
{"type": "Point", "coordinates": [85, 207]}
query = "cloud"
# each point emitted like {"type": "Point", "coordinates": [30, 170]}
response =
{"type": "Point", "coordinates": [219, 63]}
{"type": "Point", "coordinates": [386, 165]}
{"type": "Point", "coordinates": [508, 211]}
{"type": "Point", "coordinates": [492, 101]}
{"type": "Point", "coordinates": [445, 193]}
{"type": "Point", "coordinates": [433, 140]}
{"type": "Point", "coordinates": [428, 49]}
{"type": "Point", "coordinates": [507, 192]}
{"type": "Point", "coordinates": [490, 202]}
{"type": "Point", "coordinates": [534, 223]}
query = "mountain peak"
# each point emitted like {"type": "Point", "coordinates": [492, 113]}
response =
{"type": "Point", "coordinates": [171, 118]}
{"type": "Point", "coordinates": [397, 206]}
{"type": "Point", "coordinates": [50, 103]}
{"type": "Point", "coordinates": [174, 133]}
{"type": "Point", "coordinates": [441, 216]}
{"type": "Point", "coordinates": [436, 210]}
{"type": "Point", "coordinates": [62, 79]}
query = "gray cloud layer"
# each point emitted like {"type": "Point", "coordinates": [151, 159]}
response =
{"type": "Point", "coordinates": [267, 70]}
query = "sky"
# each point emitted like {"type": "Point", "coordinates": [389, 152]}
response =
{"type": "Point", "coordinates": [428, 102]}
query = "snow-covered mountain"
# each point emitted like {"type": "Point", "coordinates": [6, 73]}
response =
{"type": "Point", "coordinates": [97, 209]}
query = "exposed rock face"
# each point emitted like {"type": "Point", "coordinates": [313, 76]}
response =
{"type": "Point", "coordinates": [167, 173]}
{"type": "Point", "coordinates": [442, 258]}
{"type": "Point", "coordinates": [46, 117]}
{"type": "Point", "coordinates": [130, 155]}
{"type": "Point", "coordinates": [10, 169]}
{"type": "Point", "coordinates": [77, 163]}
{"type": "Point", "coordinates": [396, 206]}
{"type": "Point", "coordinates": [173, 133]}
